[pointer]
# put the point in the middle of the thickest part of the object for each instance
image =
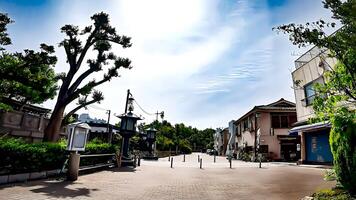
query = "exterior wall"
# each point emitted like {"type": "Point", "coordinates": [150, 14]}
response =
{"type": "Point", "coordinates": [264, 122]}
{"type": "Point", "coordinates": [225, 133]}
{"type": "Point", "coordinates": [19, 124]}
{"type": "Point", "coordinates": [305, 74]}
{"type": "Point", "coordinates": [218, 141]}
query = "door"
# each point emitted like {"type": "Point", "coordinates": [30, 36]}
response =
{"type": "Point", "coordinates": [317, 146]}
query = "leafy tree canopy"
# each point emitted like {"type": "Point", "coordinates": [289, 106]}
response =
{"type": "Point", "coordinates": [28, 77]}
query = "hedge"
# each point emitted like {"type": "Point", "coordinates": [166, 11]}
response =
{"type": "Point", "coordinates": [17, 156]}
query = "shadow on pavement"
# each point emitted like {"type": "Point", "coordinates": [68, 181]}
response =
{"type": "Point", "coordinates": [60, 189]}
{"type": "Point", "coordinates": [123, 169]}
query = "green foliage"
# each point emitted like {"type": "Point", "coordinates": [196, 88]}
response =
{"type": "Point", "coordinates": [333, 194]}
{"type": "Point", "coordinates": [245, 156]}
{"type": "Point", "coordinates": [97, 146]}
{"type": "Point", "coordinates": [99, 38]}
{"type": "Point", "coordinates": [330, 175]}
{"type": "Point", "coordinates": [336, 99]}
{"type": "Point", "coordinates": [28, 77]}
{"type": "Point", "coordinates": [185, 137]}
{"type": "Point", "coordinates": [4, 37]}
{"type": "Point", "coordinates": [343, 140]}
{"type": "Point", "coordinates": [19, 156]}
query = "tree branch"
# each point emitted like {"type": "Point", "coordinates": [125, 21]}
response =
{"type": "Point", "coordinates": [78, 108]}
{"type": "Point", "coordinates": [87, 45]}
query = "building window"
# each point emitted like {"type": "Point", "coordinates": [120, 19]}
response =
{"type": "Point", "coordinates": [282, 120]}
{"type": "Point", "coordinates": [263, 149]}
{"type": "Point", "coordinates": [245, 124]}
{"type": "Point", "coordinates": [309, 91]}
{"type": "Point", "coordinates": [309, 94]}
{"type": "Point", "coordinates": [275, 121]}
{"type": "Point", "coordinates": [292, 120]}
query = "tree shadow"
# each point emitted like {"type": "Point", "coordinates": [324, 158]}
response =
{"type": "Point", "coordinates": [60, 188]}
{"type": "Point", "coordinates": [123, 169]}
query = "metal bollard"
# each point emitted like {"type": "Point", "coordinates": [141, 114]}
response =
{"type": "Point", "coordinates": [139, 161]}
{"type": "Point", "coordinates": [172, 163]}
{"type": "Point", "coordinates": [169, 158]}
{"type": "Point", "coordinates": [214, 158]}
{"type": "Point", "coordinates": [198, 158]}
{"type": "Point", "coordinates": [201, 163]}
{"type": "Point", "coordinates": [183, 157]}
{"type": "Point", "coordinates": [230, 160]}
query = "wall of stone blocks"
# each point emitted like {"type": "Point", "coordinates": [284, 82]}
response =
{"type": "Point", "coordinates": [24, 125]}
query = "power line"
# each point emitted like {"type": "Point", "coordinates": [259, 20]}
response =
{"type": "Point", "coordinates": [143, 109]}
{"type": "Point", "coordinates": [97, 107]}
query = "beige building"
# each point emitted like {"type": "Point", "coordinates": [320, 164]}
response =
{"type": "Point", "coordinates": [274, 121]}
{"type": "Point", "coordinates": [310, 68]}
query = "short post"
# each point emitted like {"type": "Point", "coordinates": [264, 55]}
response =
{"type": "Point", "coordinates": [135, 161]}
{"type": "Point", "coordinates": [260, 155]}
{"type": "Point", "coordinates": [201, 163]}
{"type": "Point", "coordinates": [230, 161]}
{"type": "Point", "coordinates": [169, 157]}
{"type": "Point", "coordinates": [214, 158]}
{"type": "Point", "coordinates": [198, 158]}
{"type": "Point", "coordinates": [139, 161]}
{"type": "Point", "coordinates": [172, 163]}
{"type": "Point", "coordinates": [183, 157]}
{"type": "Point", "coordinates": [73, 168]}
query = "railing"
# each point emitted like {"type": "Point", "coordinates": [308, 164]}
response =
{"type": "Point", "coordinates": [99, 165]}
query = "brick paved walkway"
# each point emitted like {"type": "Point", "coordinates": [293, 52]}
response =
{"type": "Point", "coordinates": [157, 181]}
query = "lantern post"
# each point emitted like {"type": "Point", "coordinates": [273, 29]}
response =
{"type": "Point", "coordinates": [127, 130]}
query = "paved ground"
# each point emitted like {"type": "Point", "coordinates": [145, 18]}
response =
{"type": "Point", "coordinates": [157, 181]}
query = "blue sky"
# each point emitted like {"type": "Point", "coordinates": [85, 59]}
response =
{"type": "Point", "coordinates": [204, 62]}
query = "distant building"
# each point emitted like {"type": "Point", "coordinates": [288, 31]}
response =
{"type": "Point", "coordinates": [274, 121]}
{"type": "Point", "coordinates": [99, 127]}
{"type": "Point", "coordinates": [310, 68]}
{"type": "Point", "coordinates": [221, 139]}
{"type": "Point", "coordinates": [218, 143]}
{"type": "Point", "coordinates": [84, 117]}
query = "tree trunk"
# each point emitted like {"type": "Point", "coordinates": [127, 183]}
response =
{"type": "Point", "coordinates": [51, 133]}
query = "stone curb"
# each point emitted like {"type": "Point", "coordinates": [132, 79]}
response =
{"type": "Point", "coordinates": [23, 177]}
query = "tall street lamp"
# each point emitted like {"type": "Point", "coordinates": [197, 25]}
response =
{"type": "Point", "coordinates": [127, 130]}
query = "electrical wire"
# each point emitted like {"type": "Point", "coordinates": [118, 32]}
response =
{"type": "Point", "coordinates": [97, 107]}
{"type": "Point", "coordinates": [143, 109]}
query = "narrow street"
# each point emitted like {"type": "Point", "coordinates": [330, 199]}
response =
{"type": "Point", "coordinates": [157, 181]}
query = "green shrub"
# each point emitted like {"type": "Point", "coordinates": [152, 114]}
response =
{"type": "Point", "coordinates": [245, 156]}
{"type": "Point", "coordinates": [17, 156]}
{"type": "Point", "coordinates": [185, 149]}
{"type": "Point", "coordinates": [95, 147]}
{"type": "Point", "coordinates": [330, 175]}
{"type": "Point", "coordinates": [334, 194]}
{"type": "Point", "coordinates": [343, 147]}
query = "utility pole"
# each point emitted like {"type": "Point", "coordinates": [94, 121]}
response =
{"type": "Point", "coordinates": [127, 100]}
{"type": "Point", "coordinates": [108, 130]}
{"type": "Point", "coordinates": [159, 113]}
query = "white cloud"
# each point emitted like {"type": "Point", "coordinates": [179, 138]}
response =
{"type": "Point", "coordinates": [192, 59]}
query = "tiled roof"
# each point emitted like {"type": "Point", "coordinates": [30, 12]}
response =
{"type": "Point", "coordinates": [280, 105]}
